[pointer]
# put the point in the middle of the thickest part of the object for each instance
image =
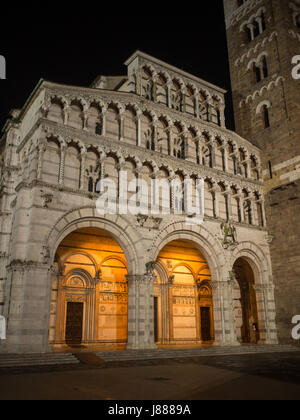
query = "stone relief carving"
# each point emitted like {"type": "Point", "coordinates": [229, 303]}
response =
{"type": "Point", "coordinates": [149, 222]}
{"type": "Point", "coordinates": [150, 266]}
{"type": "Point", "coordinates": [47, 198]}
{"type": "Point", "coordinates": [229, 235]}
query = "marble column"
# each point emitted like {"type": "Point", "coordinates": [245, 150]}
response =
{"type": "Point", "coordinates": [225, 332]}
{"type": "Point", "coordinates": [63, 148]}
{"type": "Point", "coordinates": [141, 312]}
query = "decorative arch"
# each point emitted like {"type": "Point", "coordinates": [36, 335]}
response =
{"type": "Point", "coordinates": [202, 239]}
{"type": "Point", "coordinates": [83, 274]}
{"type": "Point", "coordinates": [113, 257]}
{"type": "Point", "coordinates": [261, 105]}
{"type": "Point", "coordinates": [256, 258]}
{"type": "Point", "coordinates": [162, 272]}
{"type": "Point", "coordinates": [183, 264]}
{"type": "Point", "coordinates": [80, 252]}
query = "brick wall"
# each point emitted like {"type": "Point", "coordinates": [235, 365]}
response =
{"type": "Point", "coordinates": [279, 143]}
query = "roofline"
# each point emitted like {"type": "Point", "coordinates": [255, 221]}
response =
{"type": "Point", "coordinates": [22, 112]}
{"type": "Point", "coordinates": [23, 109]}
{"type": "Point", "coordinates": [154, 60]}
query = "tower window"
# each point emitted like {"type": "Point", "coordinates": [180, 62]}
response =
{"type": "Point", "coordinates": [296, 17]}
{"type": "Point", "coordinates": [256, 29]}
{"type": "Point", "coordinates": [256, 26]}
{"type": "Point", "coordinates": [257, 73]}
{"type": "Point", "coordinates": [265, 67]}
{"type": "Point", "coordinates": [266, 116]}
{"type": "Point", "coordinates": [270, 170]}
{"type": "Point", "coordinates": [263, 108]}
{"type": "Point", "coordinates": [260, 69]}
{"type": "Point", "coordinates": [263, 22]}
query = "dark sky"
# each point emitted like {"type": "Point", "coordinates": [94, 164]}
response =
{"type": "Point", "coordinates": [74, 48]}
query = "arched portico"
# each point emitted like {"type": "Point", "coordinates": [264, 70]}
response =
{"type": "Point", "coordinates": [89, 304]}
{"type": "Point", "coordinates": [217, 261]}
{"type": "Point", "coordinates": [183, 306]}
{"type": "Point", "coordinates": [253, 294]}
{"type": "Point", "coordinates": [118, 227]}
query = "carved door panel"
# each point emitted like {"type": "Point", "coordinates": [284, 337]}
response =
{"type": "Point", "coordinates": [205, 324]}
{"type": "Point", "coordinates": [74, 323]}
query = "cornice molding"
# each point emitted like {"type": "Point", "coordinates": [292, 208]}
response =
{"type": "Point", "coordinates": [158, 110]}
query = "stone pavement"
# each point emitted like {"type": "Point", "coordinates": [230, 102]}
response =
{"type": "Point", "coordinates": [271, 376]}
{"type": "Point", "coordinates": [181, 379]}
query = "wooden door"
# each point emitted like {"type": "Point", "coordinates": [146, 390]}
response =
{"type": "Point", "coordinates": [74, 323]}
{"type": "Point", "coordinates": [205, 324]}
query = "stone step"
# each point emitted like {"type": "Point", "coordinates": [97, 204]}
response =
{"type": "Point", "coordinates": [23, 360]}
{"type": "Point", "coordinates": [184, 353]}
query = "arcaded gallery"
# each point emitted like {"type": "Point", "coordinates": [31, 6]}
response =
{"type": "Point", "coordinates": [71, 277]}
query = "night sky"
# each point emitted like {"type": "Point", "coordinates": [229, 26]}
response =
{"type": "Point", "coordinates": [75, 48]}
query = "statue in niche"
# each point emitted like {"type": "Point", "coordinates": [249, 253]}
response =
{"type": "Point", "coordinates": [203, 111]}
{"type": "Point", "coordinates": [229, 234]}
{"type": "Point", "coordinates": [148, 90]}
{"type": "Point", "coordinates": [176, 101]}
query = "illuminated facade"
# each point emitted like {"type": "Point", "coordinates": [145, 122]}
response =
{"type": "Point", "coordinates": [72, 278]}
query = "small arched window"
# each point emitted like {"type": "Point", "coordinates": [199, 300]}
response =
{"type": "Point", "coordinates": [266, 116]}
{"type": "Point", "coordinates": [255, 26]}
{"type": "Point", "coordinates": [98, 129]}
{"type": "Point", "coordinates": [263, 109]}
{"type": "Point", "coordinates": [259, 68]}
{"type": "Point", "coordinates": [257, 73]}
{"type": "Point", "coordinates": [265, 67]}
{"type": "Point", "coordinates": [91, 185]}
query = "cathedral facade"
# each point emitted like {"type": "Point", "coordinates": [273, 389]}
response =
{"type": "Point", "coordinates": [70, 277]}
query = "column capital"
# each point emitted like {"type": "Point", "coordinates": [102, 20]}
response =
{"type": "Point", "coordinates": [140, 278]}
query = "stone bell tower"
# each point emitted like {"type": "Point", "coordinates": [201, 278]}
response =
{"type": "Point", "coordinates": [263, 39]}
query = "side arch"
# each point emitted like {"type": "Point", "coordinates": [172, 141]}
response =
{"type": "Point", "coordinates": [257, 259]}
